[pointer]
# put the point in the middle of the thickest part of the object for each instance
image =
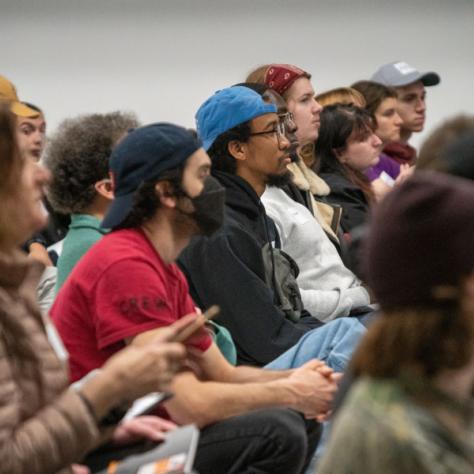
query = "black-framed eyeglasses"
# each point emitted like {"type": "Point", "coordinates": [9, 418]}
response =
{"type": "Point", "coordinates": [279, 130]}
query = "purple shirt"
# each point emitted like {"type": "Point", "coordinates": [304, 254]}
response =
{"type": "Point", "coordinates": [387, 164]}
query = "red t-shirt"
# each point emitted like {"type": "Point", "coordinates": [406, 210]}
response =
{"type": "Point", "coordinates": [120, 288]}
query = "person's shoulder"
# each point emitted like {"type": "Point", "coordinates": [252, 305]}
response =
{"type": "Point", "coordinates": [337, 181]}
{"type": "Point", "coordinates": [374, 427]}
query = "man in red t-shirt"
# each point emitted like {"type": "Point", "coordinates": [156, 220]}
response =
{"type": "Point", "coordinates": [128, 286]}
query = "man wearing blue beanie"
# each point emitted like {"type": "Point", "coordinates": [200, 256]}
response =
{"type": "Point", "coordinates": [241, 267]}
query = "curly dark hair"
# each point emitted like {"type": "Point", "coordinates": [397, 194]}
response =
{"type": "Point", "coordinates": [78, 155]}
{"type": "Point", "coordinates": [146, 201]}
{"type": "Point", "coordinates": [219, 153]}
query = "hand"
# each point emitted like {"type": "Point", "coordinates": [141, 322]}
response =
{"type": "Point", "coordinates": [142, 369]}
{"type": "Point", "coordinates": [135, 371]}
{"type": "Point", "coordinates": [380, 189]}
{"type": "Point", "coordinates": [150, 427]}
{"type": "Point", "coordinates": [405, 172]}
{"type": "Point", "coordinates": [169, 333]}
{"type": "Point", "coordinates": [38, 252]}
{"type": "Point", "coordinates": [80, 469]}
{"type": "Point", "coordinates": [313, 387]}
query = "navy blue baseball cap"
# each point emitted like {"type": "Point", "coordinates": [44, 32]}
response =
{"type": "Point", "coordinates": [143, 155]}
{"type": "Point", "coordinates": [226, 109]}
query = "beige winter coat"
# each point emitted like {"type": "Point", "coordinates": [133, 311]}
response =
{"type": "Point", "coordinates": [44, 426]}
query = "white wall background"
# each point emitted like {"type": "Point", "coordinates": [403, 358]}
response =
{"type": "Point", "coordinates": [163, 58]}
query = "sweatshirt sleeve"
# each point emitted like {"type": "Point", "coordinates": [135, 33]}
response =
{"type": "Point", "coordinates": [60, 433]}
{"type": "Point", "coordinates": [227, 270]}
{"type": "Point", "coordinates": [327, 305]}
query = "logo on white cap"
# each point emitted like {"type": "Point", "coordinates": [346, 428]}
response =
{"type": "Point", "coordinates": [404, 68]}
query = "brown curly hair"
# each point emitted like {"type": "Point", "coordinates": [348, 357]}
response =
{"type": "Point", "coordinates": [78, 156]}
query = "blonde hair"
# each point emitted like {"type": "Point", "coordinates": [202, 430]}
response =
{"type": "Point", "coordinates": [341, 95]}
{"type": "Point", "coordinates": [257, 76]}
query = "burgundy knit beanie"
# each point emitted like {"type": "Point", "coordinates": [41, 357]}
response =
{"type": "Point", "coordinates": [421, 242]}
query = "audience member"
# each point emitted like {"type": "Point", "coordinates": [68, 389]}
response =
{"type": "Point", "coordinates": [294, 85]}
{"type": "Point", "coordinates": [433, 150]}
{"type": "Point", "coordinates": [328, 289]}
{"type": "Point", "coordinates": [241, 267]}
{"type": "Point", "coordinates": [410, 409]}
{"type": "Point", "coordinates": [30, 129]}
{"type": "Point", "coordinates": [31, 133]}
{"type": "Point", "coordinates": [411, 106]}
{"type": "Point", "coordinates": [78, 158]}
{"type": "Point", "coordinates": [45, 426]}
{"type": "Point", "coordinates": [382, 106]}
{"type": "Point", "coordinates": [346, 147]}
{"type": "Point", "coordinates": [127, 288]}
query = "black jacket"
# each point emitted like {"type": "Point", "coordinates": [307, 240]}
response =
{"type": "Point", "coordinates": [355, 207]}
{"type": "Point", "coordinates": [228, 269]}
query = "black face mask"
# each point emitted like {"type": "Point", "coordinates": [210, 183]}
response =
{"type": "Point", "coordinates": [208, 207]}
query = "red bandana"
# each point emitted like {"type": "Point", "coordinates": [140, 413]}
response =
{"type": "Point", "coordinates": [281, 76]}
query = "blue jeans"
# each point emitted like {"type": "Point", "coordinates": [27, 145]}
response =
{"type": "Point", "coordinates": [332, 343]}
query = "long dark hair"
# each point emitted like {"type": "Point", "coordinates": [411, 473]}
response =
{"type": "Point", "coordinates": [10, 158]}
{"type": "Point", "coordinates": [339, 123]}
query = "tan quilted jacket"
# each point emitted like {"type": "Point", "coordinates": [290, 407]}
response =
{"type": "Point", "coordinates": [44, 426]}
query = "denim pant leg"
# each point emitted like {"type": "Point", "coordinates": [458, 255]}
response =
{"type": "Point", "coordinates": [273, 441]}
{"type": "Point", "coordinates": [332, 343]}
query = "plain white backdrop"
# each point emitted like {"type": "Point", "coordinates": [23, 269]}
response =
{"type": "Point", "coordinates": [163, 58]}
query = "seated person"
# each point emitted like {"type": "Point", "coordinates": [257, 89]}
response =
{"type": "Point", "coordinates": [448, 148]}
{"type": "Point", "coordinates": [347, 146]}
{"type": "Point", "coordinates": [409, 84]}
{"type": "Point", "coordinates": [44, 424]}
{"type": "Point", "coordinates": [77, 157]}
{"type": "Point", "coordinates": [410, 409]}
{"type": "Point", "coordinates": [382, 105]}
{"type": "Point", "coordinates": [294, 86]}
{"type": "Point", "coordinates": [127, 288]}
{"type": "Point", "coordinates": [328, 289]}
{"type": "Point", "coordinates": [238, 268]}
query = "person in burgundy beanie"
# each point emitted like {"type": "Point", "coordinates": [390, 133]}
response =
{"type": "Point", "coordinates": [410, 408]}
{"type": "Point", "coordinates": [426, 242]}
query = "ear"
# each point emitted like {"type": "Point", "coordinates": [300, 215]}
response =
{"type": "Point", "coordinates": [104, 188]}
{"type": "Point", "coordinates": [237, 149]}
{"type": "Point", "coordinates": [164, 190]}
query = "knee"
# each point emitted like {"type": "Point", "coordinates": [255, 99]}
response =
{"type": "Point", "coordinates": [347, 326]}
{"type": "Point", "coordinates": [289, 432]}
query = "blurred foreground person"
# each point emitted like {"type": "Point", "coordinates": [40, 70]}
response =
{"type": "Point", "coordinates": [411, 409]}
{"type": "Point", "coordinates": [44, 425]}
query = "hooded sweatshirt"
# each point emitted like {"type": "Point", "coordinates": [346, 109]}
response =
{"type": "Point", "coordinates": [228, 269]}
{"type": "Point", "coordinates": [328, 289]}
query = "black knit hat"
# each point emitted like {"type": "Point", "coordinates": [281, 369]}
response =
{"type": "Point", "coordinates": [421, 242]}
